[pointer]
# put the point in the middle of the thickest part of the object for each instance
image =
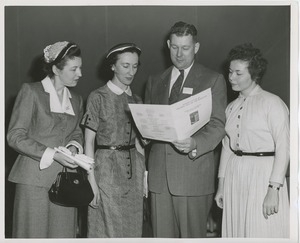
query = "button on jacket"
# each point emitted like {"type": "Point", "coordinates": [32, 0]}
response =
{"type": "Point", "coordinates": [186, 176]}
{"type": "Point", "coordinates": [33, 128]}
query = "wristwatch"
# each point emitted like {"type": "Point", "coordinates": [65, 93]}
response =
{"type": "Point", "coordinates": [274, 187]}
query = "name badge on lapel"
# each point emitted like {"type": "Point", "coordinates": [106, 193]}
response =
{"type": "Point", "coordinates": [187, 90]}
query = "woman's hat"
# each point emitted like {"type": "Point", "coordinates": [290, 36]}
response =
{"type": "Point", "coordinates": [51, 52]}
{"type": "Point", "coordinates": [122, 47]}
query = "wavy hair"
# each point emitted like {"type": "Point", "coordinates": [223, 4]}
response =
{"type": "Point", "coordinates": [183, 29]}
{"type": "Point", "coordinates": [257, 64]}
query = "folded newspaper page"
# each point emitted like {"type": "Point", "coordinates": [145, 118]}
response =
{"type": "Point", "coordinates": [173, 122]}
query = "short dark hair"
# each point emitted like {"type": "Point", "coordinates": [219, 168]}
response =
{"type": "Point", "coordinates": [66, 54]}
{"type": "Point", "coordinates": [183, 29]}
{"type": "Point", "coordinates": [257, 64]}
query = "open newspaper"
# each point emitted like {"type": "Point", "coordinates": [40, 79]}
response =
{"type": "Point", "coordinates": [81, 160]}
{"type": "Point", "coordinates": [173, 122]}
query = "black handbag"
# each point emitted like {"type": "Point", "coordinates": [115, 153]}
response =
{"type": "Point", "coordinates": [71, 189]}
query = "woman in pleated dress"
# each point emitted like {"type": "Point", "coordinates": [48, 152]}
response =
{"type": "Point", "coordinates": [252, 187]}
{"type": "Point", "coordinates": [117, 177]}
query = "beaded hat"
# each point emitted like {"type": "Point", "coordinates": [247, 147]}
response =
{"type": "Point", "coordinates": [51, 52]}
{"type": "Point", "coordinates": [122, 47]}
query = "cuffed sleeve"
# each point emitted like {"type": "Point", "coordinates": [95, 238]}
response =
{"type": "Point", "coordinates": [77, 145]}
{"type": "Point", "coordinates": [91, 118]}
{"type": "Point", "coordinates": [47, 158]}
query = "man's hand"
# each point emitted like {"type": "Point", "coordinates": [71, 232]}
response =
{"type": "Point", "coordinates": [185, 145]}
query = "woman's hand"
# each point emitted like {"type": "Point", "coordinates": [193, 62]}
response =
{"type": "Point", "coordinates": [219, 198]}
{"type": "Point", "coordinates": [219, 194]}
{"type": "Point", "coordinates": [271, 202]}
{"type": "Point", "coordinates": [64, 160]}
{"type": "Point", "coordinates": [73, 149]}
{"type": "Point", "coordinates": [145, 141]}
{"type": "Point", "coordinates": [96, 200]}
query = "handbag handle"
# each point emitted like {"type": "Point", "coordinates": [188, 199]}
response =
{"type": "Point", "coordinates": [80, 171]}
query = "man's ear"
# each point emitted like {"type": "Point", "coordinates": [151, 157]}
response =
{"type": "Point", "coordinates": [168, 43]}
{"type": "Point", "coordinates": [197, 46]}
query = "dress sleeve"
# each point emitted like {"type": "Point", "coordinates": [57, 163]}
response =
{"type": "Point", "coordinates": [91, 118]}
{"type": "Point", "coordinates": [225, 155]}
{"type": "Point", "coordinates": [278, 120]}
{"type": "Point", "coordinates": [20, 123]}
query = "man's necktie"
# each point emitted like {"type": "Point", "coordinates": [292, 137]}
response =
{"type": "Point", "coordinates": [176, 88]}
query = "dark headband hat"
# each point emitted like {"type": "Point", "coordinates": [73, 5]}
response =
{"type": "Point", "coordinates": [122, 47]}
{"type": "Point", "coordinates": [57, 51]}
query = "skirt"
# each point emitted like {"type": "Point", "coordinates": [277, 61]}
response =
{"type": "Point", "coordinates": [245, 187]}
{"type": "Point", "coordinates": [35, 216]}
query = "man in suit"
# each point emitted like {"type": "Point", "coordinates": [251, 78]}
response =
{"type": "Point", "coordinates": [182, 173]}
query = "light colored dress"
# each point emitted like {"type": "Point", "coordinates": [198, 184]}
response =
{"type": "Point", "coordinates": [119, 174]}
{"type": "Point", "coordinates": [258, 123]}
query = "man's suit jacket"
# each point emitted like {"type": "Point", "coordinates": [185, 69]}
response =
{"type": "Point", "coordinates": [33, 128]}
{"type": "Point", "coordinates": [188, 176]}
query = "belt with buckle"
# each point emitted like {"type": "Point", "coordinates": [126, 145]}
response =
{"type": "Point", "coordinates": [116, 147]}
{"type": "Point", "coordinates": [241, 153]}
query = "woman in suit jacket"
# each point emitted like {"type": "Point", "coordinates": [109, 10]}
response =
{"type": "Point", "coordinates": [46, 114]}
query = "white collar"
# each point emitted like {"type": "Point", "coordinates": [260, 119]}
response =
{"type": "Point", "coordinates": [117, 90]}
{"type": "Point", "coordinates": [256, 90]}
{"type": "Point", "coordinates": [186, 71]}
{"type": "Point", "coordinates": [55, 105]}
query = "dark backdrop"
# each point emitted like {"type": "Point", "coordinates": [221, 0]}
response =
{"type": "Point", "coordinates": [28, 29]}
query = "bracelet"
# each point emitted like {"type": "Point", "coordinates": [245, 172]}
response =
{"type": "Point", "coordinates": [274, 187]}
